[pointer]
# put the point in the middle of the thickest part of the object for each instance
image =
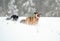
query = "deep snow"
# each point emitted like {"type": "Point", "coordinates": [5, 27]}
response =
{"type": "Point", "coordinates": [47, 29]}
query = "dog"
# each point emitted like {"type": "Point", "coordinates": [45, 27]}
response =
{"type": "Point", "coordinates": [31, 20]}
{"type": "Point", "coordinates": [14, 17]}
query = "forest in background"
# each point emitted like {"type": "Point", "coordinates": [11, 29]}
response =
{"type": "Point", "coordinates": [47, 8]}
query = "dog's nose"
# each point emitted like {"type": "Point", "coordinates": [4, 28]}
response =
{"type": "Point", "coordinates": [38, 15]}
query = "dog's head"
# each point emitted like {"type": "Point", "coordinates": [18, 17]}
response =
{"type": "Point", "coordinates": [37, 14]}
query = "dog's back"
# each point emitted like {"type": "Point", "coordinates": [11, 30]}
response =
{"type": "Point", "coordinates": [29, 20]}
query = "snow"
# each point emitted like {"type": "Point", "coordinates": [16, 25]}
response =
{"type": "Point", "coordinates": [47, 29]}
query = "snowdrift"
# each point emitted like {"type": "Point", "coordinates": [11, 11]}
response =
{"type": "Point", "coordinates": [47, 29]}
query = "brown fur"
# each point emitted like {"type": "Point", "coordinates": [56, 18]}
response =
{"type": "Point", "coordinates": [32, 20]}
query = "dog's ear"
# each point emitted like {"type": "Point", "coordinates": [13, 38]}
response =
{"type": "Point", "coordinates": [35, 12]}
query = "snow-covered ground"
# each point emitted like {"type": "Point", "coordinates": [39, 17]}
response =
{"type": "Point", "coordinates": [47, 29]}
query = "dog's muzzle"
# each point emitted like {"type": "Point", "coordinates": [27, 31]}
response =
{"type": "Point", "coordinates": [38, 15]}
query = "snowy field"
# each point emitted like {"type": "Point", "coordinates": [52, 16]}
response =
{"type": "Point", "coordinates": [47, 29]}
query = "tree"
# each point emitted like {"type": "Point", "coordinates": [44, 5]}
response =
{"type": "Point", "coordinates": [28, 7]}
{"type": "Point", "coordinates": [12, 8]}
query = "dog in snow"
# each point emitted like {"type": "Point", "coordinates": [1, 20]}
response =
{"type": "Point", "coordinates": [31, 20]}
{"type": "Point", "coordinates": [14, 17]}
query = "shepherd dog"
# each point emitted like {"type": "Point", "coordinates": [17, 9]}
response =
{"type": "Point", "coordinates": [14, 17]}
{"type": "Point", "coordinates": [31, 20]}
